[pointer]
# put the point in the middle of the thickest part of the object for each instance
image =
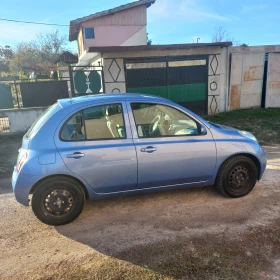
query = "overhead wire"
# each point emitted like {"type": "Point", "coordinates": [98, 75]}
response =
{"type": "Point", "coordinates": [32, 22]}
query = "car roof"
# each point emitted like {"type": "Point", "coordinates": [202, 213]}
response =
{"type": "Point", "coordinates": [109, 97]}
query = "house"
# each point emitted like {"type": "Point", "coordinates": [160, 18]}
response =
{"type": "Point", "coordinates": [121, 26]}
{"type": "Point", "coordinates": [62, 62]}
{"type": "Point", "coordinates": [114, 57]}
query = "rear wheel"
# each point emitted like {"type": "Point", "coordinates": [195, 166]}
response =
{"type": "Point", "coordinates": [237, 177]}
{"type": "Point", "coordinates": [58, 200]}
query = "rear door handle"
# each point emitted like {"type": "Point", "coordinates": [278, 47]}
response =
{"type": "Point", "coordinates": [76, 155]}
{"type": "Point", "coordinates": [148, 150]}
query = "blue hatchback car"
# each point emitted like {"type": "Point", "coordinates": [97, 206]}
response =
{"type": "Point", "coordinates": [109, 145]}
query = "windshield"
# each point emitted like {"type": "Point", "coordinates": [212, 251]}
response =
{"type": "Point", "coordinates": [42, 120]}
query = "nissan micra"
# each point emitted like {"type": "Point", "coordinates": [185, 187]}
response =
{"type": "Point", "coordinates": [108, 145]}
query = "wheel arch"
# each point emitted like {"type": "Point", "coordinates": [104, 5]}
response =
{"type": "Point", "coordinates": [250, 156]}
{"type": "Point", "coordinates": [61, 175]}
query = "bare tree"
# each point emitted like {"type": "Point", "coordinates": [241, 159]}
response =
{"type": "Point", "coordinates": [149, 41]}
{"type": "Point", "coordinates": [221, 35]}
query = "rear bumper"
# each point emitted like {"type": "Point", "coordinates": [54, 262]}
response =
{"type": "Point", "coordinates": [22, 184]}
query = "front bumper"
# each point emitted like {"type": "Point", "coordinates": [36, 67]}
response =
{"type": "Point", "coordinates": [263, 161]}
{"type": "Point", "coordinates": [22, 184]}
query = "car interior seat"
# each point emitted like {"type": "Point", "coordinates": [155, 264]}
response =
{"type": "Point", "coordinates": [115, 122]}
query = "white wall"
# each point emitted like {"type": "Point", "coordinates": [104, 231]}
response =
{"type": "Point", "coordinates": [20, 119]}
{"type": "Point", "coordinates": [218, 82]}
{"type": "Point", "coordinates": [114, 75]}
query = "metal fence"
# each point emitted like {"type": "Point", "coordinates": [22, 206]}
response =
{"type": "Point", "coordinates": [32, 93]}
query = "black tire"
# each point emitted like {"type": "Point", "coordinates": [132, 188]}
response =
{"type": "Point", "coordinates": [237, 177]}
{"type": "Point", "coordinates": [58, 200]}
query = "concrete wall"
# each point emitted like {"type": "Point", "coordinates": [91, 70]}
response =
{"type": "Point", "coordinates": [20, 119]}
{"type": "Point", "coordinates": [247, 76]}
{"type": "Point", "coordinates": [246, 80]}
{"type": "Point", "coordinates": [273, 81]}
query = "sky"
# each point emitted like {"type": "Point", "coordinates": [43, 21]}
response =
{"type": "Point", "coordinates": [252, 22]}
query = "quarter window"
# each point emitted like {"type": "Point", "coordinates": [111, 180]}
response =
{"type": "Point", "coordinates": [156, 120]}
{"type": "Point", "coordinates": [95, 123]}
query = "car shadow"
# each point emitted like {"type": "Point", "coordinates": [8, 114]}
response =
{"type": "Point", "coordinates": [122, 226]}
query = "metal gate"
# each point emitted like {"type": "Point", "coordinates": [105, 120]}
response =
{"type": "Point", "coordinates": [86, 80]}
{"type": "Point", "coordinates": [180, 79]}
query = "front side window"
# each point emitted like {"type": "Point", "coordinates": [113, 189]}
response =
{"type": "Point", "coordinates": [95, 123]}
{"type": "Point", "coordinates": [157, 120]}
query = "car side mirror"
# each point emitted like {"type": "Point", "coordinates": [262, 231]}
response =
{"type": "Point", "coordinates": [27, 128]}
{"type": "Point", "coordinates": [203, 130]}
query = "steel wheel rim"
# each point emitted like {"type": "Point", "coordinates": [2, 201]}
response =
{"type": "Point", "coordinates": [58, 202]}
{"type": "Point", "coordinates": [239, 178]}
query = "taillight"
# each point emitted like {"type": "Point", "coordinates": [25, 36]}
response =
{"type": "Point", "coordinates": [21, 162]}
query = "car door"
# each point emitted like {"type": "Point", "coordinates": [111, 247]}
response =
{"type": "Point", "coordinates": [96, 144]}
{"type": "Point", "coordinates": [172, 148]}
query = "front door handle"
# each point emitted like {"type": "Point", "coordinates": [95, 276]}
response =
{"type": "Point", "coordinates": [148, 150]}
{"type": "Point", "coordinates": [76, 155]}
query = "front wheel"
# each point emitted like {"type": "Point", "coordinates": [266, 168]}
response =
{"type": "Point", "coordinates": [58, 200]}
{"type": "Point", "coordinates": [237, 177]}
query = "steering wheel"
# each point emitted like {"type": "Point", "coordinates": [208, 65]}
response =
{"type": "Point", "coordinates": [154, 125]}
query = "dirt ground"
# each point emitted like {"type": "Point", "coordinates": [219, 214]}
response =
{"type": "Point", "coordinates": [186, 234]}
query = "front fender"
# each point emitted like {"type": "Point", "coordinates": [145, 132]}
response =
{"type": "Point", "coordinates": [227, 149]}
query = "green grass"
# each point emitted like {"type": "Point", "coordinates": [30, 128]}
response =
{"type": "Point", "coordinates": [263, 123]}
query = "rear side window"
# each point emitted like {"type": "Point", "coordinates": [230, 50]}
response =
{"type": "Point", "coordinates": [42, 120]}
{"type": "Point", "coordinates": [96, 123]}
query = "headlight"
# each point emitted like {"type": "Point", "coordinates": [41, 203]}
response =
{"type": "Point", "coordinates": [248, 135]}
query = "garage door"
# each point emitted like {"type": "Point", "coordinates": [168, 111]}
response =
{"type": "Point", "coordinates": [183, 81]}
